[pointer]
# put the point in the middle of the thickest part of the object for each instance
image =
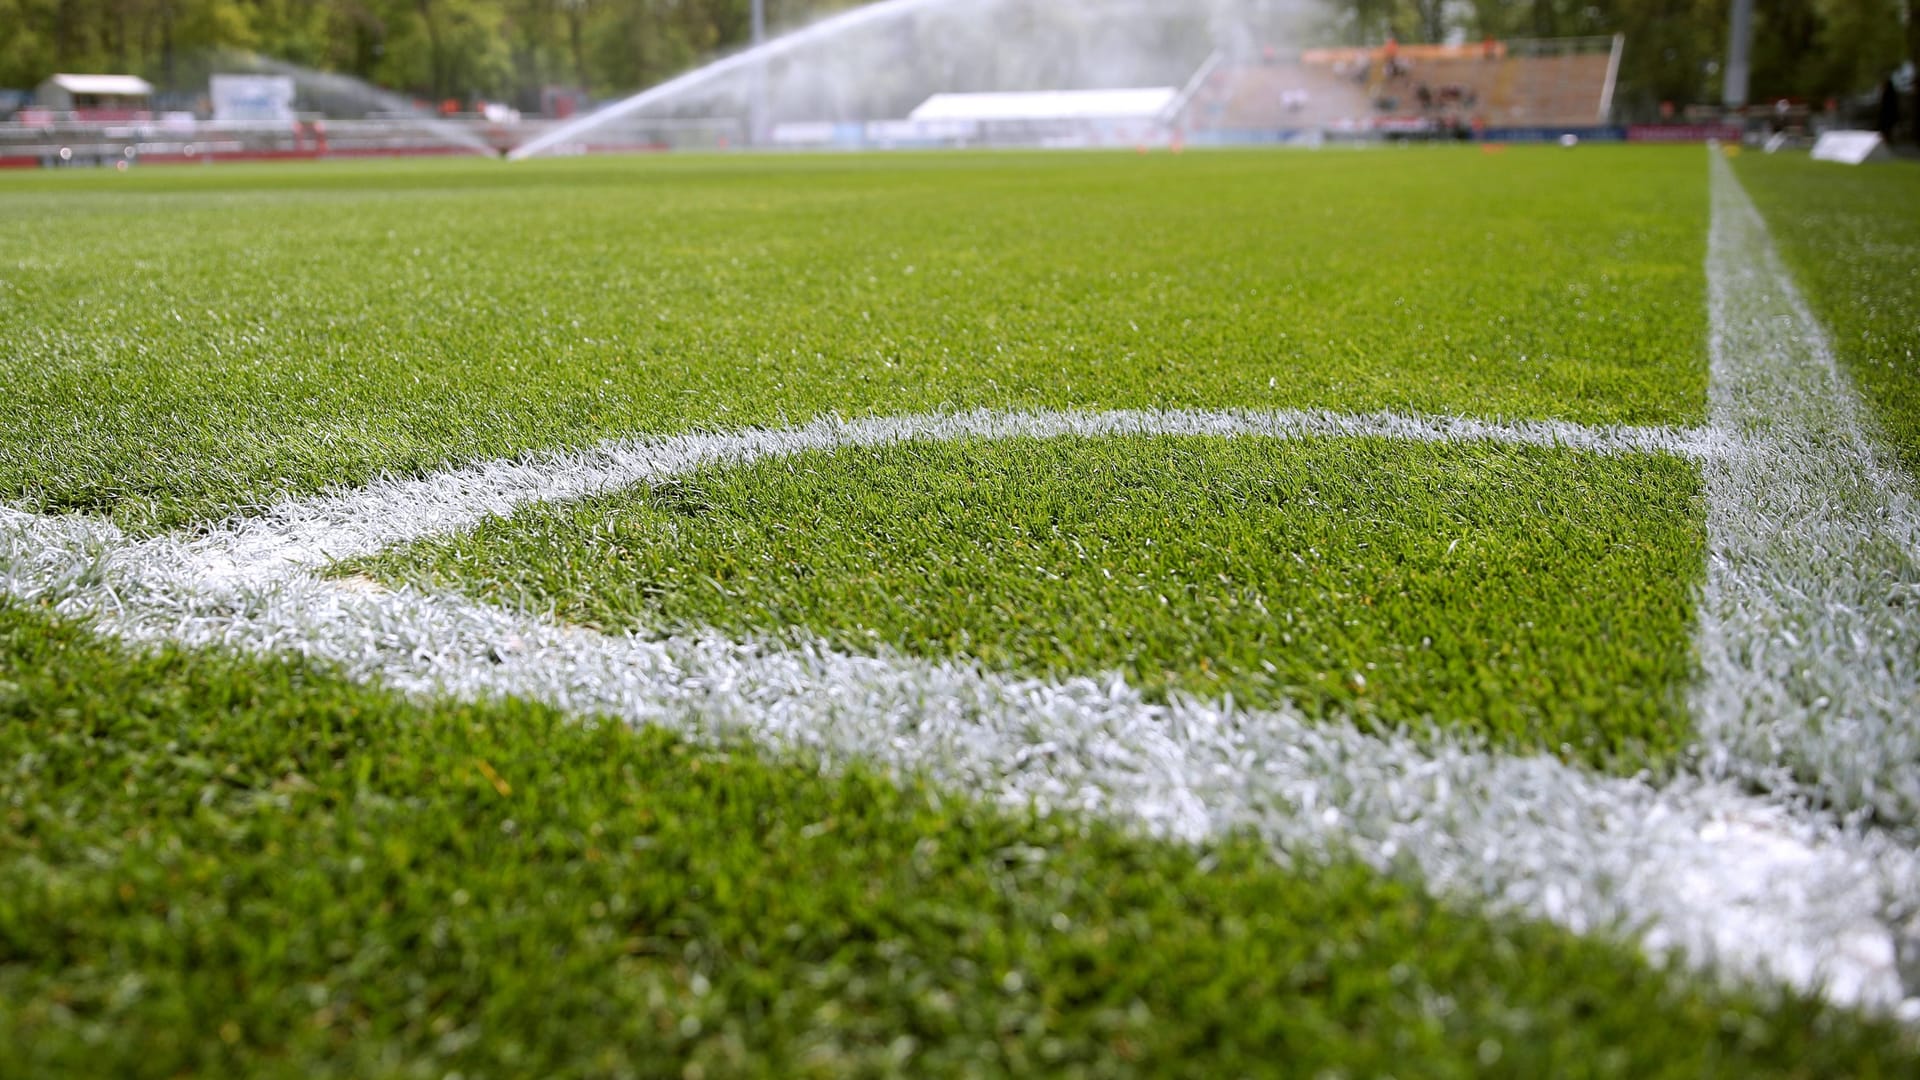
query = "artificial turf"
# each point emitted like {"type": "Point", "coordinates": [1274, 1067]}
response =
{"type": "Point", "coordinates": [1852, 236]}
{"type": "Point", "coordinates": [181, 344]}
{"type": "Point", "coordinates": [217, 866]}
{"type": "Point", "coordinates": [1539, 597]}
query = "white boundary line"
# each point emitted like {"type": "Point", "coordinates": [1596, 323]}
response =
{"type": "Point", "coordinates": [1764, 886]}
{"type": "Point", "coordinates": [1809, 632]}
{"type": "Point", "coordinates": [311, 532]}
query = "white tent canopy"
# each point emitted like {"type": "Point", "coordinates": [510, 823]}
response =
{"type": "Point", "coordinates": [102, 85]}
{"type": "Point", "coordinates": [61, 93]}
{"type": "Point", "coordinates": [1143, 103]}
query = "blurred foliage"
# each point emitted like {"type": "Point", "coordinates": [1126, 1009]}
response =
{"type": "Point", "coordinates": [493, 49]}
{"type": "Point", "coordinates": [508, 50]}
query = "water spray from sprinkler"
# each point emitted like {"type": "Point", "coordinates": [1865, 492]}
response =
{"type": "Point", "coordinates": [867, 63]}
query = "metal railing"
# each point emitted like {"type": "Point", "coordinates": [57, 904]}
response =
{"type": "Point", "coordinates": [61, 142]}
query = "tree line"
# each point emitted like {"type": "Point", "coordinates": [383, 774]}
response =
{"type": "Point", "coordinates": [500, 50]}
{"type": "Point", "coordinates": [508, 50]}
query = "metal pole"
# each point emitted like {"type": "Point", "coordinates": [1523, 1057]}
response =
{"type": "Point", "coordinates": [1739, 48]}
{"type": "Point", "coordinates": [757, 106]}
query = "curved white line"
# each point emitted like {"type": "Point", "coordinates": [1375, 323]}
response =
{"type": "Point", "coordinates": [1756, 887]}
{"type": "Point", "coordinates": [309, 532]}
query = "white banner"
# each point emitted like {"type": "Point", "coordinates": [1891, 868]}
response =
{"type": "Point", "coordinates": [252, 99]}
{"type": "Point", "coordinates": [1850, 147]}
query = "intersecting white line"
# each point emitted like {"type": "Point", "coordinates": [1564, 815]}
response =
{"type": "Point", "coordinates": [1761, 885]}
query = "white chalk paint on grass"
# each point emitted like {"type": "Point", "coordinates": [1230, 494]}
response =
{"type": "Point", "coordinates": [1695, 865]}
{"type": "Point", "coordinates": [1809, 633]}
{"type": "Point", "coordinates": [311, 532]}
{"type": "Point", "coordinates": [1763, 885]}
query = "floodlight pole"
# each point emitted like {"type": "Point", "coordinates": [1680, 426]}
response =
{"type": "Point", "coordinates": [757, 88]}
{"type": "Point", "coordinates": [1739, 48]}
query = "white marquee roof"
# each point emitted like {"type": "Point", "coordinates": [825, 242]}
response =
{"type": "Point", "coordinates": [1132, 104]}
{"type": "Point", "coordinates": [108, 85]}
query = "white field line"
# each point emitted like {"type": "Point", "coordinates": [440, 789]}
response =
{"type": "Point", "coordinates": [1809, 634]}
{"type": "Point", "coordinates": [311, 532]}
{"type": "Point", "coordinates": [1763, 885]}
{"type": "Point", "coordinates": [1763, 889]}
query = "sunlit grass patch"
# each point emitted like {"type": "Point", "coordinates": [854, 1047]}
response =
{"type": "Point", "coordinates": [1540, 597]}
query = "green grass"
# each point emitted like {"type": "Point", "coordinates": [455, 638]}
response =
{"type": "Point", "coordinates": [182, 343]}
{"type": "Point", "coordinates": [220, 867]}
{"type": "Point", "coordinates": [1540, 597]}
{"type": "Point", "coordinates": [1852, 236]}
{"type": "Point", "coordinates": [223, 866]}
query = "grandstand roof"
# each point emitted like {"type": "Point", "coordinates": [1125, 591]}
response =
{"type": "Point", "coordinates": [1129, 104]}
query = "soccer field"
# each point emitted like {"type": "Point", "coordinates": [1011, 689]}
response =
{"type": "Point", "coordinates": [1426, 611]}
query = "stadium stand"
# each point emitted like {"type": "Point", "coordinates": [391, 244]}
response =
{"type": "Point", "coordinates": [1565, 83]}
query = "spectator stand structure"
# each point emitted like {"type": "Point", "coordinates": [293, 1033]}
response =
{"type": "Point", "coordinates": [95, 97]}
{"type": "Point", "coordinates": [1505, 90]}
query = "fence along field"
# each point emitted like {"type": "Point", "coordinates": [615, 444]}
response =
{"type": "Point", "coordinates": [1735, 856]}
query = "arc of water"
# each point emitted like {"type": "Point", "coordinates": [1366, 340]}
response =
{"type": "Point", "coordinates": [727, 65]}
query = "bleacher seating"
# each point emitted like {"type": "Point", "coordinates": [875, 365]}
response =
{"type": "Point", "coordinates": [1278, 96]}
{"type": "Point", "coordinates": [1491, 85]}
